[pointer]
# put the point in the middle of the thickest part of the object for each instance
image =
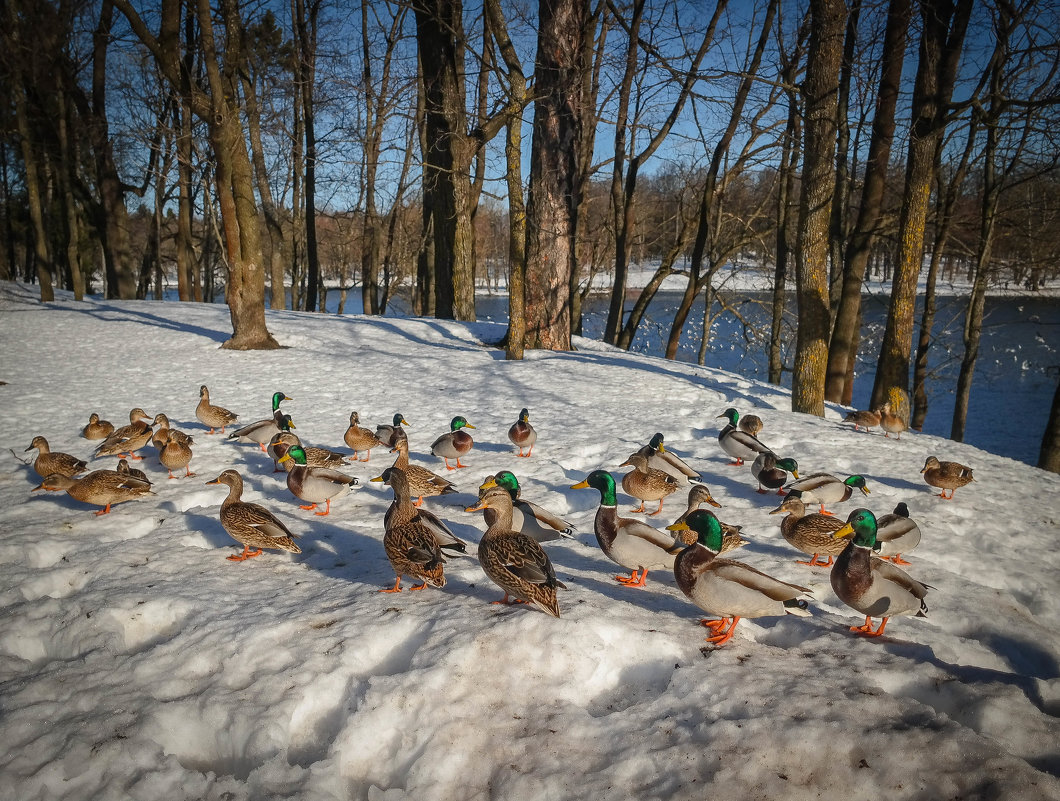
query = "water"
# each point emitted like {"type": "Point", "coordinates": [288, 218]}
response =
{"type": "Point", "coordinates": [1012, 389]}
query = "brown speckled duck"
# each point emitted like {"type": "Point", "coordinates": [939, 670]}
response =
{"type": "Point", "coordinates": [946, 475]}
{"type": "Point", "coordinates": [125, 441]}
{"type": "Point", "coordinates": [250, 524]}
{"type": "Point", "coordinates": [863, 420]}
{"type": "Point", "coordinates": [662, 458]}
{"type": "Point", "coordinates": [48, 462]}
{"type": "Point", "coordinates": [161, 433]}
{"type": "Point", "coordinates": [422, 482]}
{"type": "Point", "coordinates": [403, 511]}
{"type": "Point", "coordinates": [176, 453]}
{"type": "Point", "coordinates": [96, 428]}
{"type": "Point", "coordinates": [646, 483]}
{"type": "Point", "coordinates": [810, 533]}
{"type": "Point", "coordinates": [892, 423]}
{"type": "Point", "coordinates": [99, 488]}
{"type": "Point", "coordinates": [515, 562]}
{"type": "Point", "coordinates": [360, 439]}
{"type": "Point", "coordinates": [212, 416]}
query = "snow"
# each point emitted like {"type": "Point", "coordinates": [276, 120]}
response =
{"type": "Point", "coordinates": [137, 662]}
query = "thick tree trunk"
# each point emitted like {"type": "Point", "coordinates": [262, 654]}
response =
{"type": "Point", "coordinates": [1049, 456]}
{"type": "Point", "coordinates": [818, 184]}
{"type": "Point", "coordinates": [945, 23]}
{"type": "Point", "coordinates": [552, 207]}
{"type": "Point", "coordinates": [305, 23]}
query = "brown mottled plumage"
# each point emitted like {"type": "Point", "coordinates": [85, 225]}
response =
{"type": "Point", "coordinates": [251, 524]}
{"type": "Point", "coordinates": [213, 416]}
{"type": "Point", "coordinates": [99, 488]}
{"type": "Point", "coordinates": [946, 475]}
{"type": "Point", "coordinates": [48, 462]}
{"type": "Point", "coordinates": [810, 533]}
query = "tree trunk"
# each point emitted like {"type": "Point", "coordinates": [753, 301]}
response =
{"type": "Point", "coordinates": [945, 23]}
{"type": "Point", "coordinates": [818, 184]}
{"type": "Point", "coordinates": [447, 159]}
{"type": "Point", "coordinates": [1049, 456]}
{"type": "Point", "coordinates": [306, 26]}
{"type": "Point", "coordinates": [552, 207]}
{"type": "Point", "coordinates": [843, 348]}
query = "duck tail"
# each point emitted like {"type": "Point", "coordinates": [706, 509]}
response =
{"type": "Point", "coordinates": [797, 606]}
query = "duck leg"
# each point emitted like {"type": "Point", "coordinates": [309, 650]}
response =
{"type": "Point", "coordinates": [639, 508]}
{"type": "Point", "coordinates": [422, 586]}
{"type": "Point", "coordinates": [633, 580]}
{"type": "Point", "coordinates": [458, 462]}
{"type": "Point", "coordinates": [103, 511]}
{"type": "Point", "coordinates": [867, 628]}
{"type": "Point", "coordinates": [737, 463]}
{"type": "Point", "coordinates": [722, 637]}
{"type": "Point", "coordinates": [898, 560]}
{"type": "Point", "coordinates": [714, 625]}
{"type": "Point", "coordinates": [505, 602]}
{"type": "Point", "coordinates": [815, 561]}
{"type": "Point", "coordinates": [395, 588]}
{"type": "Point", "coordinates": [652, 514]}
{"type": "Point", "coordinates": [307, 508]}
{"type": "Point", "coordinates": [246, 554]}
{"type": "Point", "coordinates": [327, 511]}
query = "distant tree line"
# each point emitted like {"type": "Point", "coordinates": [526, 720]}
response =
{"type": "Point", "coordinates": [277, 150]}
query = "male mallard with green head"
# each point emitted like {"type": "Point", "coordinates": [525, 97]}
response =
{"type": "Point", "coordinates": [726, 588]}
{"type": "Point", "coordinates": [527, 517]}
{"type": "Point", "coordinates": [772, 472]}
{"type": "Point", "coordinates": [455, 444]}
{"type": "Point", "coordinates": [262, 431]}
{"type": "Point", "coordinates": [315, 484]}
{"type": "Point", "coordinates": [824, 488]}
{"type": "Point", "coordinates": [738, 444]}
{"type": "Point", "coordinates": [662, 458]}
{"type": "Point", "coordinates": [522, 434]}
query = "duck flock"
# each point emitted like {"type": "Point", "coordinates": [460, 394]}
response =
{"type": "Point", "coordinates": [863, 554]}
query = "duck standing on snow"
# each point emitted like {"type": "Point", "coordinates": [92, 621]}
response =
{"type": "Point", "coordinates": [455, 444]}
{"type": "Point", "coordinates": [896, 533]}
{"type": "Point", "coordinates": [315, 484]}
{"type": "Point", "coordinates": [522, 434]}
{"type": "Point", "coordinates": [515, 562]}
{"type": "Point", "coordinates": [892, 423]}
{"type": "Point", "coordinates": [403, 511]}
{"type": "Point", "coordinates": [314, 457]}
{"type": "Point", "coordinates": [161, 433]}
{"type": "Point", "coordinates": [96, 428]}
{"type": "Point", "coordinates": [125, 441]}
{"type": "Point", "coordinates": [698, 495]}
{"type": "Point", "coordinates": [873, 587]}
{"type": "Point", "coordinates": [661, 458]}
{"type": "Point", "coordinates": [738, 444]}
{"type": "Point", "coordinates": [946, 475]}
{"type": "Point", "coordinates": [213, 416]}
{"type": "Point", "coordinates": [48, 462]}
{"type": "Point", "coordinates": [809, 533]}
{"type": "Point", "coordinates": [422, 482]}
{"type": "Point", "coordinates": [726, 588]}
{"type": "Point", "coordinates": [863, 419]}
{"type": "Point", "coordinates": [388, 435]}
{"type": "Point", "coordinates": [176, 453]}
{"type": "Point", "coordinates": [822, 488]}
{"type": "Point", "coordinates": [527, 517]}
{"type": "Point", "coordinates": [772, 473]}
{"type": "Point", "coordinates": [262, 431]}
{"type": "Point", "coordinates": [646, 483]}
{"type": "Point", "coordinates": [630, 543]}
{"type": "Point", "coordinates": [250, 524]}
{"type": "Point", "coordinates": [360, 439]}
{"type": "Point", "coordinates": [99, 488]}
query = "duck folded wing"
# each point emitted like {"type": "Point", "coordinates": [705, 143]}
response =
{"type": "Point", "coordinates": [754, 579]}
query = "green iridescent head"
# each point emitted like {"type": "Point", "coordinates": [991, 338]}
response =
{"type": "Point", "coordinates": [861, 525]}
{"type": "Point", "coordinates": [507, 480]}
{"type": "Point", "coordinates": [459, 422]}
{"type": "Point", "coordinates": [399, 420]}
{"type": "Point", "coordinates": [731, 415]}
{"type": "Point", "coordinates": [707, 528]}
{"type": "Point", "coordinates": [857, 482]}
{"type": "Point", "coordinates": [524, 416]}
{"type": "Point", "coordinates": [788, 465]}
{"type": "Point", "coordinates": [286, 423]}
{"type": "Point", "coordinates": [656, 443]}
{"type": "Point", "coordinates": [296, 453]}
{"type": "Point", "coordinates": [600, 480]}
{"type": "Point", "coordinates": [277, 399]}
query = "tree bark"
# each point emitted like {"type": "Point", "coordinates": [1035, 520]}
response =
{"type": "Point", "coordinates": [306, 26]}
{"type": "Point", "coordinates": [819, 89]}
{"type": "Point", "coordinates": [842, 352]}
{"type": "Point", "coordinates": [944, 26]}
{"type": "Point", "coordinates": [1049, 456]}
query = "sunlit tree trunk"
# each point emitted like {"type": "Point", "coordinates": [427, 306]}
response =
{"type": "Point", "coordinates": [819, 88]}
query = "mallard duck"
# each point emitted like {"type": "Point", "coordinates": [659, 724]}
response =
{"type": "Point", "coordinates": [455, 444]}
{"type": "Point", "coordinates": [698, 495]}
{"type": "Point", "coordinates": [403, 511]}
{"type": "Point", "coordinates": [315, 484]}
{"type": "Point", "coordinates": [772, 473]}
{"type": "Point", "coordinates": [738, 444]}
{"type": "Point", "coordinates": [632, 544]}
{"type": "Point", "coordinates": [213, 416]}
{"type": "Point", "coordinates": [863, 419]}
{"type": "Point", "coordinates": [726, 588]}
{"type": "Point", "coordinates": [751, 424]}
{"type": "Point", "coordinates": [515, 562]}
{"type": "Point", "coordinates": [360, 439]}
{"type": "Point", "coordinates": [661, 458]}
{"type": "Point", "coordinates": [413, 551]}
{"type": "Point", "coordinates": [176, 453]}
{"type": "Point", "coordinates": [125, 441]}
{"type": "Point", "coordinates": [422, 482]}
{"type": "Point", "coordinates": [314, 457]}
{"type": "Point", "coordinates": [810, 533]}
{"type": "Point", "coordinates": [873, 587]}
{"type": "Point", "coordinates": [523, 434]}
{"type": "Point", "coordinates": [96, 428]}
{"type": "Point", "coordinates": [892, 423]}
{"type": "Point", "coordinates": [160, 435]}
{"type": "Point", "coordinates": [388, 434]}
{"type": "Point", "coordinates": [822, 488]}
{"type": "Point", "coordinates": [250, 524]}
{"type": "Point", "coordinates": [47, 462]}
{"type": "Point", "coordinates": [123, 469]}
{"type": "Point", "coordinates": [278, 446]}
{"type": "Point", "coordinates": [262, 431]}
{"type": "Point", "coordinates": [646, 483]}
{"type": "Point", "coordinates": [946, 475]}
{"type": "Point", "coordinates": [896, 534]}
{"type": "Point", "coordinates": [527, 517]}
{"type": "Point", "coordinates": [99, 488]}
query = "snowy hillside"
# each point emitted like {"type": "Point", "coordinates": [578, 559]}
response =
{"type": "Point", "coordinates": [137, 662]}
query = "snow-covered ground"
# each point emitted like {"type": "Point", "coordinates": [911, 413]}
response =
{"type": "Point", "coordinates": [137, 662]}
